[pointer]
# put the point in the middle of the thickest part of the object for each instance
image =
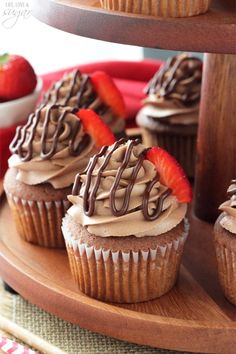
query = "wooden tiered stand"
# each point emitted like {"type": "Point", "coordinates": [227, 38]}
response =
{"type": "Point", "coordinates": [194, 316]}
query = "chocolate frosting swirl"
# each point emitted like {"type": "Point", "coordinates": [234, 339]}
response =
{"type": "Point", "coordinates": [173, 95]}
{"type": "Point", "coordinates": [45, 148]}
{"type": "Point", "coordinates": [90, 196]}
{"type": "Point", "coordinates": [76, 90]}
{"type": "Point", "coordinates": [52, 131]}
{"type": "Point", "coordinates": [119, 186]}
{"type": "Point", "coordinates": [180, 79]}
{"type": "Point", "coordinates": [228, 221]}
{"type": "Point", "coordinates": [232, 188]}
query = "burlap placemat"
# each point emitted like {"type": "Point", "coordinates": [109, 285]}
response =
{"type": "Point", "coordinates": [6, 307]}
{"type": "Point", "coordinates": [72, 339]}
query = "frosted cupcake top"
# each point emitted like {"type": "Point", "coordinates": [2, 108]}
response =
{"type": "Point", "coordinates": [74, 90]}
{"type": "Point", "coordinates": [77, 90]}
{"type": "Point", "coordinates": [51, 147]}
{"type": "Point", "coordinates": [120, 194]}
{"type": "Point", "coordinates": [228, 220]}
{"type": "Point", "coordinates": [174, 92]}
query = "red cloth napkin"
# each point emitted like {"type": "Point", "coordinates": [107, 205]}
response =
{"type": "Point", "coordinates": [130, 77]}
{"type": "Point", "coordinates": [6, 136]}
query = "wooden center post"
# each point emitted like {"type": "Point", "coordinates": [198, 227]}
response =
{"type": "Point", "coordinates": [216, 146]}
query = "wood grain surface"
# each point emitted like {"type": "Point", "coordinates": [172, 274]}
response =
{"type": "Point", "coordinates": [194, 316]}
{"type": "Point", "coordinates": [214, 31]}
{"type": "Point", "coordinates": [216, 160]}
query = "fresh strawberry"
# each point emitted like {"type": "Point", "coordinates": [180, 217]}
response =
{"type": "Point", "coordinates": [94, 126]}
{"type": "Point", "coordinates": [171, 173]}
{"type": "Point", "coordinates": [108, 92]}
{"type": "Point", "coordinates": [17, 77]}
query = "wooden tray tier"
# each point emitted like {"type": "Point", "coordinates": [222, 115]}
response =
{"type": "Point", "coordinates": [214, 32]}
{"type": "Point", "coordinates": [194, 316]}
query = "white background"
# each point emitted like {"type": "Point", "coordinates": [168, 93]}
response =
{"type": "Point", "coordinates": [49, 49]}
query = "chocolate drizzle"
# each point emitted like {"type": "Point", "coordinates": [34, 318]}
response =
{"type": "Point", "coordinates": [72, 91]}
{"type": "Point", "coordinates": [159, 203]}
{"type": "Point", "coordinates": [123, 210]}
{"type": "Point", "coordinates": [22, 143]}
{"type": "Point", "coordinates": [178, 70]}
{"type": "Point", "coordinates": [89, 197]}
{"type": "Point", "coordinates": [16, 146]}
{"type": "Point", "coordinates": [232, 189]}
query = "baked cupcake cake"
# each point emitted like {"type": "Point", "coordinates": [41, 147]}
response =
{"type": "Point", "coordinates": [225, 244]}
{"type": "Point", "coordinates": [169, 116]}
{"type": "Point", "coordinates": [162, 8]}
{"type": "Point", "coordinates": [48, 152]}
{"type": "Point", "coordinates": [126, 228]}
{"type": "Point", "coordinates": [96, 91]}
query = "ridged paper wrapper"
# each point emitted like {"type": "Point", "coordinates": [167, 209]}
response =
{"type": "Point", "coordinates": [161, 8]}
{"type": "Point", "coordinates": [225, 247]}
{"type": "Point", "coordinates": [39, 222]}
{"type": "Point", "coordinates": [125, 277]}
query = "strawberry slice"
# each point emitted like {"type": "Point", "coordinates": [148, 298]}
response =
{"type": "Point", "coordinates": [171, 173]}
{"type": "Point", "coordinates": [108, 92]}
{"type": "Point", "coordinates": [94, 126]}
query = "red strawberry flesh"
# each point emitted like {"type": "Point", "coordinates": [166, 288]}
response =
{"type": "Point", "coordinates": [94, 126]}
{"type": "Point", "coordinates": [171, 173]}
{"type": "Point", "coordinates": [108, 92]}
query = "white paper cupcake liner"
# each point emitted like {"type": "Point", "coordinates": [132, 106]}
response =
{"type": "Point", "coordinates": [125, 277]}
{"type": "Point", "coordinates": [39, 222]}
{"type": "Point", "coordinates": [162, 8]}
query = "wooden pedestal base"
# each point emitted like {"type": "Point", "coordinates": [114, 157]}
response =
{"type": "Point", "coordinates": [216, 149]}
{"type": "Point", "coordinates": [193, 316]}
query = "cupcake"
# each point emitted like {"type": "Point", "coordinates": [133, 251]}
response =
{"type": "Point", "coordinates": [162, 8]}
{"type": "Point", "coordinates": [96, 91]}
{"type": "Point", "coordinates": [48, 151]}
{"type": "Point", "coordinates": [225, 245]}
{"type": "Point", "coordinates": [126, 228]}
{"type": "Point", "coordinates": [169, 116]}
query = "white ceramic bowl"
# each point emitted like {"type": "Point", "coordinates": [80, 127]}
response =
{"type": "Point", "coordinates": [13, 112]}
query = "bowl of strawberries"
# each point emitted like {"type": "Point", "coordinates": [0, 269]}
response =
{"type": "Point", "coordinates": [19, 89]}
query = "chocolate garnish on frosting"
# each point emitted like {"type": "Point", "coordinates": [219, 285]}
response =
{"type": "Point", "coordinates": [160, 201]}
{"type": "Point", "coordinates": [76, 90]}
{"type": "Point", "coordinates": [228, 219]}
{"type": "Point", "coordinates": [232, 189]}
{"type": "Point", "coordinates": [22, 144]}
{"type": "Point", "coordinates": [52, 96]}
{"type": "Point", "coordinates": [89, 198]}
{"type": "Point", "coordinates": [182, 70]}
